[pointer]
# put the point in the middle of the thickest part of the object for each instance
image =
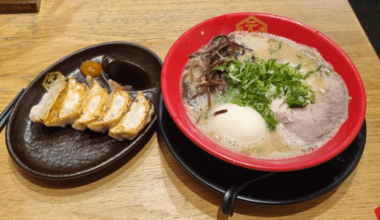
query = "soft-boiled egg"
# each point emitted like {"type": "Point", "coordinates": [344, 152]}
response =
{"type": "Point", "coordinates": [240, 123]}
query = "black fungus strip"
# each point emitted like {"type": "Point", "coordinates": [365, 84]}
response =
{"type": "Point", "coordinates": [185, 88]}
{"type": "Point", "coordinates": [220, 112]}
{"type": "Point", "coordinates": [208, 98]}
{"type": "Point", "coordinates": [218, 52]}
{"type": "Point", "coordinates": [196, 95]}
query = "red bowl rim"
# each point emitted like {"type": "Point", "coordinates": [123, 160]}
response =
{"type": "Point", "coordinates": [267, 167]}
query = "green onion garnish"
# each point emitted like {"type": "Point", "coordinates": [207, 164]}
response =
{"type": "Point", "coordinates": [298, 67]}
{"type": "Point", "coordinates": [257, 84]}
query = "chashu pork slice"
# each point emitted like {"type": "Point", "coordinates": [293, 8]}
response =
{"type": "Point", "coordinates": [118, 104]}
{"type": "Point", "coordinates": [39, 112]}
{"type": "Point", "coordinates": [69, 104]}
{"type": "Point", "coordinates": [139, 114]}
{"type": "Point", "coordinates": [94, 107]}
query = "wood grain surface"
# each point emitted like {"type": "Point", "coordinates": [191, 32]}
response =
{"type": "Point", "coordinates": [149, 183]}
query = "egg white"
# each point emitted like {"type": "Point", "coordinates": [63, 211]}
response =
{"type": "Point", "coordinates": [243, 124]}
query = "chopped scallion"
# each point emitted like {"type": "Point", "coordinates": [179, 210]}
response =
{"type": "Point", "coordinates": [298, 67]}
{"type": "Point", "coordinates": [257, 84]}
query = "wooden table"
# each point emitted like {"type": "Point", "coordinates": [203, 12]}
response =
{"type": "Point", "coordinates": [149, 183]}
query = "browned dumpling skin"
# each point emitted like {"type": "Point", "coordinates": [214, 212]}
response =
{"type": "Point", "coordinates": [118, 104]}
{"type": "Point", "coordinates": [71, 102]}
{"type": "Point", "coordinates": [40, 112]}
{"type": "Point", "coordinates": [68, 107]}
{"type": "Point", "coordinates": [94, 107]}
{"type": "Point", "coordinates": [139, 114]}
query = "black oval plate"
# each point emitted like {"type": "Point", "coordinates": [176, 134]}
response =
{"type": "Point", "coordinates": [280, 189]}
{"type": "Point", "coordinates": [65, 153]}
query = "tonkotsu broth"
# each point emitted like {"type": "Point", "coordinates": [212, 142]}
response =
{"type": "Point", "coordinates": [300, 130]}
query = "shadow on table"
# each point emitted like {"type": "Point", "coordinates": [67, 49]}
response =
{"type": "Point", "coordinates": [199, 195]}
{"type": "Point", "coordinates": [125, 166]}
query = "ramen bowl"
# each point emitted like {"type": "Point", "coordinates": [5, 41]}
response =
{"type": "Point", "coordinates": [200, 35]}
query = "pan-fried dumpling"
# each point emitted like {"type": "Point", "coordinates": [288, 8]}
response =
{"type": "Point", "coordinates": [118, 104]}
{"type": "Point", "coordinates": [94, 107]}
{"type": "Point", "coordinates": [69, 104]}
{"type": "Point", "coordinates": [139, 114]}
{"type": "Point", "coordinates": [40, 111]}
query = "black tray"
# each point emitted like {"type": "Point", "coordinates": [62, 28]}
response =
{"type": "Point", "coordinates": [280, 189]}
